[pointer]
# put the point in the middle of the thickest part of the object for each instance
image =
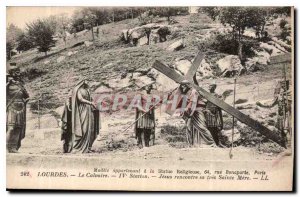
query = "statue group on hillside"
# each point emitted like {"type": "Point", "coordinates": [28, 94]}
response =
{"type": "Point", "coordinates": [81, 121]}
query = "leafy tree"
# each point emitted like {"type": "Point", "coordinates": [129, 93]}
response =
{"type": "Point", "coordinates": [168, 11]}
{"type": "Point", "coordinates": [24, 43]}
{"type": "Point", "coordinates": [240, 18]}
{"type": "Point", "coordinates": [282, 11]}
{"type": "Point", "coordinates": [77, 21]}
{"type": "Point", "coordinates": [89, 20]}
{"type": "Point", "coordinates": [12, 34]}
{"type": "Point", "coordinates": [41, 33]}
{"type": "Point", "coordinates": [9, 47]}
{"type": "Point", "coordinates": [212, 12]}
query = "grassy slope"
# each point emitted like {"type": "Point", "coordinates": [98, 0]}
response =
{"type": "Point", "coordinates": [107, 57]}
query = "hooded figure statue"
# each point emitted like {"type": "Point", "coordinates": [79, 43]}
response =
{"type": "Point", "coordinates": [84, 126]}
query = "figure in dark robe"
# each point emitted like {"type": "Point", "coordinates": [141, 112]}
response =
{"type": "Point", "coordinates": [16, 99]}
{"type": "Point", "coordinates": [197, 132]}
{"type": "Point", "coordinates": [80, 133]}
{"type": "Point", "coordinates": [145, 124]}
{"type": "Point", "coordinates": [66, 127]}
{"type": "Point", "coordinates": [214, 118]}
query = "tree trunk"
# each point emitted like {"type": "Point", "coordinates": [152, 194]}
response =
{"type": "Point", "coordinates": [92, 33]}
{"type": "Point", "coordinates": [233, 33]}
{"type": "Point", "coordinates": [240, 48]}
{"type": "Point", "coordinates": [240, 53]}
{"type": "Point", "coordinates": [9, 55]}
{"type": "Point", "coordinates": [262, 29]}
{"type": "Point", "coordinates": [65, 41]}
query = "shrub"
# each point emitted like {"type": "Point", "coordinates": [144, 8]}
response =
{"type": "Point", "coordinates": [173, 134]}
{"type": "Point", "coordinates": [284, 33]}
{"type": "Point", "coordinates": [282, 23]}
{"type": "Point", "coordinates": [225, 44]}
{"type": "Point", "coordinates": [45, 104]}
{"type": "Point", "coordinates": [32, 73]}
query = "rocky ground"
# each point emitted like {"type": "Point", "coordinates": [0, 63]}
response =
{"type": "Point", "coordinates": [104, 60]}
{"type": "Point", "coordinates": [112, 139]}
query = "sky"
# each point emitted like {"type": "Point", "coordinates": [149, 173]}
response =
{"type": "Point", "coordinates": [22, 15]}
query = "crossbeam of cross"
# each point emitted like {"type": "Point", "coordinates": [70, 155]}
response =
{"type": "Point", "coordinates": [172, 74]}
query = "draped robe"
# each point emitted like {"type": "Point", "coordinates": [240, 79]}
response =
{"type": "Point", "coordinates": [197, 132]}
{"type": "Point", "coordinates": [84, 126]}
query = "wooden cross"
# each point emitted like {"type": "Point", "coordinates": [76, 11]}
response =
{"type": "Point", "coordinates": [172, 74]}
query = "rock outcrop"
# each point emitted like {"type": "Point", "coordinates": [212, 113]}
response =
{"type": "Point", "coordinates": [179, 44]}
{"type": "Point", "coordinates": [230, 66]}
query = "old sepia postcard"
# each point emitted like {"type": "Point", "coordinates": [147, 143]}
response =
{"type": "Point", "coordinates": [150, 98]}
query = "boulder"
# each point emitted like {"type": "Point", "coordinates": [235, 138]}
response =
{"type": "Point", "coordinates": [70, 53]}
{"type": "Point", "coordinates": [262, 58]}
{"type": "Point", "coordinates": [46, 62]}
{"type": "Point", "coordinates": [120, 83]}
{"type": "Point", "coordinates": [266, 47]}
{"type": "Point", "coordinates": [164, 83]}
{"type": "Point", "coordinates": [103, 89]}
{"type": "Point", "coordinates": [60, 59]}
{"type": "Point", "coordinates": [281, 43]}
{"type": "Point", "coordinates": [249, 33]}
{"type": "Point", "coordinates": [137, 32]}
{"type": "Point", "coordinates": [88, 43]}
{"type": "Point", "coordinates": [153, 73]}
{"type": "Point", "coordinates": [135, 75]}
{"type": "Point", "coordinates": [176, 45]}
{"type": "Point", "coordinates": [271, 49]}
{"type": "Point", "coordinates": [205, 69]}
{"type": "Point", "coordinates": [228, 135]}
{"type": "Point", "coordinates": [251, 64]}
{"type": "Point", "coordinates": [142, 81]}
{"type": "Point", "coordinates": [230, 66]}
{"type": "Point", "coordinates": [143, 41]}
{"type": "Point", "coordinates": [282, 49]}
{"type": "Point", "coordinates": [183, 66]}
